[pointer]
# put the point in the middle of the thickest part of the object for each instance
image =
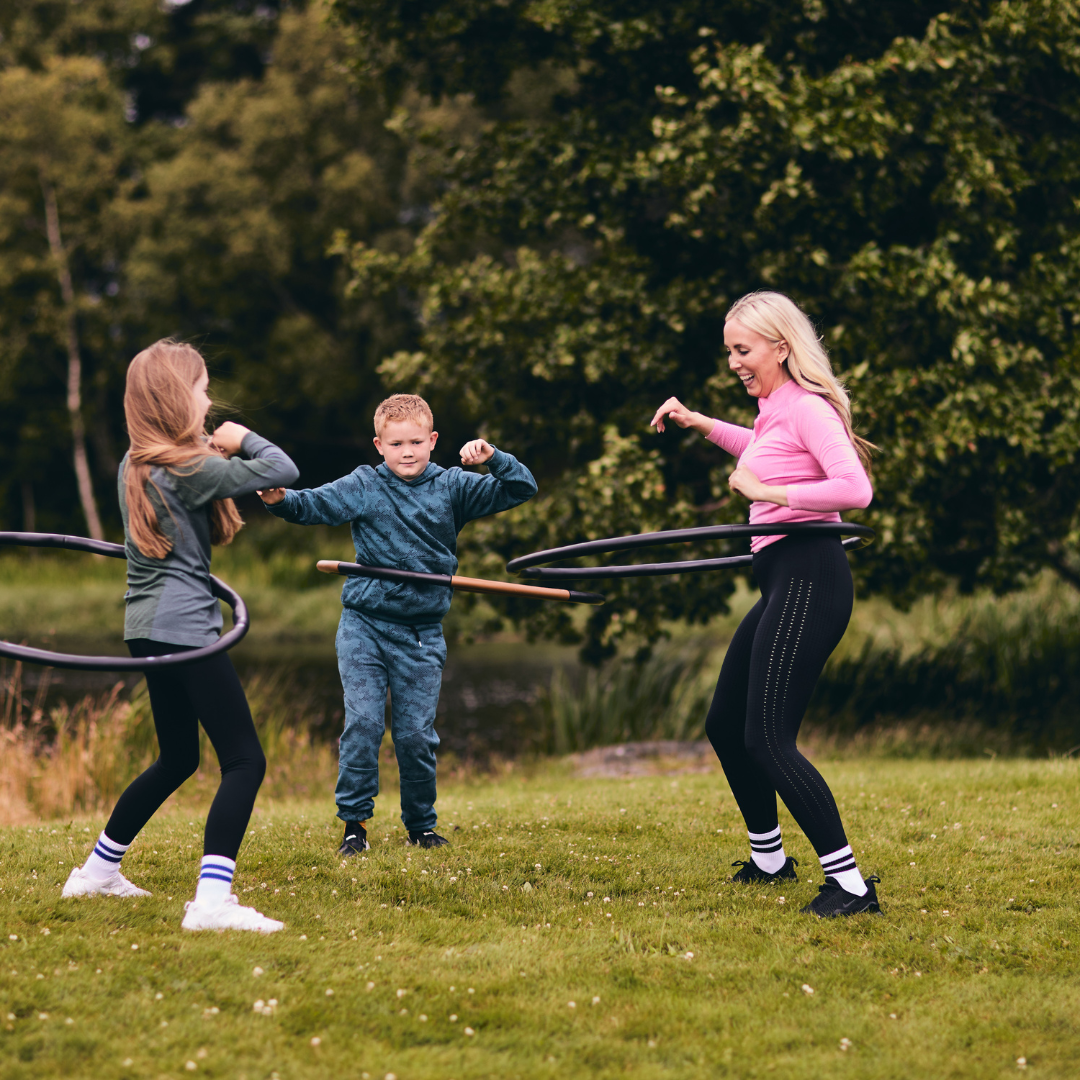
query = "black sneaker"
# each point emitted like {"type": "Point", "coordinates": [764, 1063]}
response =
{"type": "Point", "coordinates": [427, 839]}
{"type": "Point", "coordinates": [752, 874]}
{"type": "Point", "coordinates": [355, 840]}
{"type": "Point", "coordinates": [832, 900]}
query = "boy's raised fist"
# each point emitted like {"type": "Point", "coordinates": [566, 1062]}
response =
{"type": "Point", "coordinates": [476, 452]}
{"type": "Point", "coordinates": [272, 496]}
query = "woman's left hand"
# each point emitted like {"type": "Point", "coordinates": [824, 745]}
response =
{"type": "Point", "coordinates": [747, 484]}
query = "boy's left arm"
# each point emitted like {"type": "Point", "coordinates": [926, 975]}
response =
{"type": "Point", "coordinates": [507, 484]}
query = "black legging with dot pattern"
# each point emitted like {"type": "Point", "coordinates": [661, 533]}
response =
{"type": "Point", "coordinates": [772, 665]}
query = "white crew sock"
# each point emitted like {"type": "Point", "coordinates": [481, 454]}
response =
{"type": "Point", "coordinates": [215, 879]}
{"type": "Point", "coordinates": [104, 861]}
{"type": "Point", "coordinates": [840, 865]}
{"type": "Point", "coordinates": [767, 850]}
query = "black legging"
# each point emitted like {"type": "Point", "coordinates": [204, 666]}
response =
{"type": "Point", "coordinates": [210, 691]}
{"type": "Point", "coordinates": [772, 665]}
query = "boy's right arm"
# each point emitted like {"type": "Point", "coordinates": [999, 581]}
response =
{"type": "Point", "coordinates": [331, 504]}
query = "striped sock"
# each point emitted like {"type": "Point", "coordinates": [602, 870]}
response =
{"type": "Point", "coordinates": [840, 866]}
{"type": "Point", "coordinates": [767, 850]}
{"type": "Point", "coordinates": [215, 879]}
{"type": "Point", "coordinates": [104, 861]}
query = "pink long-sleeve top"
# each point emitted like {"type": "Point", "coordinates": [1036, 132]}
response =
{"type": "Point", "coordinates": [799, 442]}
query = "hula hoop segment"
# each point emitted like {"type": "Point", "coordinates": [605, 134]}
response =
{"type": "Point", "coordinates": [455, 581]}
{"type": "Point", "coordinates": [526, 565]}
{"type": "Point", "coordinates": [241, 621]}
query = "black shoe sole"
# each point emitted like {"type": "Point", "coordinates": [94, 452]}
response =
{"type": "Point", "coordinates": [422, 842]}
{"type": "Point", "coordinates": [784, 874]}
{"type": "Point", "coordinates": [872, 909]}
{"type": "Point", "coordinates": [347, 851]}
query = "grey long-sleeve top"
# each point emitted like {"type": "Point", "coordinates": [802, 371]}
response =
{"type": "Point", "coordinates": [169, 599]}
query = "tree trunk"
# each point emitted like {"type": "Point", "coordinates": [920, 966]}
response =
{"type": "Point", "coordinates": [28, 513]}
{"type": "Point", "coordinates": [74, 372]}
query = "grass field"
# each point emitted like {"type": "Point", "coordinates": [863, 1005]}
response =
{"type": "Point", "coordinates": [574, 928]}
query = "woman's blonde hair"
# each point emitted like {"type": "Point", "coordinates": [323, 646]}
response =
{"type": "Point", "coordinates": [165, 431]}
{"type": "Point", "coordinates": [778, 318]}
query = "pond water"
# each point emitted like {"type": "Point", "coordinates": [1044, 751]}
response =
{"type": "Point", "coordinates": [488, 705]}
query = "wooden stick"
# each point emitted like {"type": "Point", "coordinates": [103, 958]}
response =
{"type": "Point", "coordinates": [455, 581]}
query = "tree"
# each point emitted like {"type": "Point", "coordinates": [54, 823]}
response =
{"type": "Point", "coordinates": [240, 145]}
{"type": "Point", "coordinates": [64, 312]}
{"type": "Point", "coordinates": [233, 228]}
{"type": "Point", "coordinates": [61, 155]}
{"type": "Point", "coordinates": [907, 172]}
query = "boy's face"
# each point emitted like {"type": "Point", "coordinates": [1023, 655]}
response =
{"type": "Point", "coordinates": [406, 447]}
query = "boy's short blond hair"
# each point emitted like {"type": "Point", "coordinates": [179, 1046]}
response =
{"type": "Point", "coordinates": [403, 407]}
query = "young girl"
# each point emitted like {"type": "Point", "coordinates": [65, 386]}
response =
{"type": "Point", "coordinates": [176, 495]}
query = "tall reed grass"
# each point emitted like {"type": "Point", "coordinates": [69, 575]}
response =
{"type": "Point", "coordinates": [998, 675]}
{"type": "Point", "coordinates": [664, 696]}
{"type": "Point", "coordinates": [1009, 665]}
{"type": "Point", "coordinates": [75, 759]}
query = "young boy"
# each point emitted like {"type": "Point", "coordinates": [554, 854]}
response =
{"type": "Point", "coordinates": [405, 514]}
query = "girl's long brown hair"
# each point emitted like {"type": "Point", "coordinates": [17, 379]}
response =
{"type": "Point", "coordinates": [164, 431]}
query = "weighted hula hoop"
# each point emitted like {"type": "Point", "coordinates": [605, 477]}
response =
{"type": "Point", "coordinates": [526, 565]}
{"type": "Point", "coordinates": [241, 622]}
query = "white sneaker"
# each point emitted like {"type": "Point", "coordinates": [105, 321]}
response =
{"type": "Point", "coordinates": [80, 883]}
{"type": "Point", "coordinates": [228, 915]}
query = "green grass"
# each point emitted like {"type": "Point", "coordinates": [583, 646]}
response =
{"type": "Point", "coordinates": [919, 993]}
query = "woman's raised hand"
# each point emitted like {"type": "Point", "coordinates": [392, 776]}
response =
{"type": "Point", "coordinates": [682, 416]}
{"type": "Point", "coordinates": [228, 437]}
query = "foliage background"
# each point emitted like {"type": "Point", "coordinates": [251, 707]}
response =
{"type": "Point", "coordinates": [537, 213]}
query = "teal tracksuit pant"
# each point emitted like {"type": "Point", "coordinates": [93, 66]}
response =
{"type": "Point", "coordinates": [375, 655]}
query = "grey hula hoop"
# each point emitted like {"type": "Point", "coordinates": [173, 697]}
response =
{"type": "Point", "coordinates": [29, 655]}
{"type": "Point", "coordinates": [527, 565]}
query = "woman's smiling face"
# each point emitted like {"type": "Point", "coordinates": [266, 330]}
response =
{"type": "Point", "coordinates": [757, 361]}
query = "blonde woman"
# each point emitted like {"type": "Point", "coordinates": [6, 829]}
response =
{"type": "Point", "coordinates": [800, 462]}
{"type": "Point", "coordinates": [176, 495]}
